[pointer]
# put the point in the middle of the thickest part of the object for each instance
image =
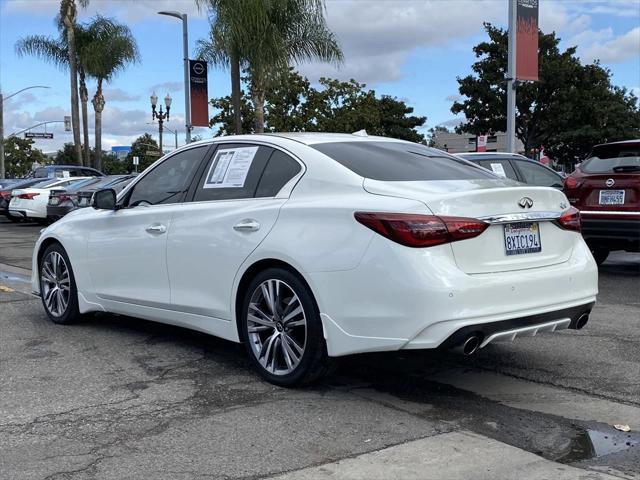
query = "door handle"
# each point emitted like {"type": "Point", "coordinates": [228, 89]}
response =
{"type": "Point", "coordinates": [247, 225]}
{"type": "Point", "coordinates": [156, 229]}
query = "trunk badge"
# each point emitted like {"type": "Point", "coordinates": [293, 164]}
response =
{"type": "Point", "coordinates": [525, 202]}
{"type": "Point", "coordinates": [563, 205]}
{"type": "Point", "coordinates": [610, 182]}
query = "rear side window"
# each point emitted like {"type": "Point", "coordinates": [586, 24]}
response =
{"type": "Point", "coordinates": [400, 162]}
{"type": "Point", "coordinates": [279, 170]}
{"type": "Point", "coordinates": [536, 174]}
{"type": "Point", "coordinates": [233, 172]}
{"type": "Point", "coordinates": [502, 168]}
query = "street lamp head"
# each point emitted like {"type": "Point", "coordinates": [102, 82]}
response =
{"type": "Point", "coordinates": [167, 101]}
{"type": "Point", "coordinates": [171, 14]}
{"type": "Point", "coordinates": [154, 100]}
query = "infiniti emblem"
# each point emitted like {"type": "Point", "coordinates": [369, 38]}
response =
{"type": "Point", "coordinates": [610, 182]}
{"type": "Point", "coordinates": [525, 202]}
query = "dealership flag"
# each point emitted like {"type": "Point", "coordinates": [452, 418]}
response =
{"type": "Point", "coordinates": [527, 40]}
{"type": "Point", "coordinates": [198, 93]}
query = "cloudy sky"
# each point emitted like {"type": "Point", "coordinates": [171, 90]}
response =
{"type": "Point", "coordinates": [411, 49]}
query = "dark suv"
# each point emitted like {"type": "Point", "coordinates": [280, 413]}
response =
{"type": "Point", "coordinates": [606, 190]}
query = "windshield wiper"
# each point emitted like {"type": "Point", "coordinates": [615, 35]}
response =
{"type": "Point", "coordinates": [626, 168]}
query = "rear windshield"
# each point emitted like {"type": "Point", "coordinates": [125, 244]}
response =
{"type": "Point", "coordinates": [622, 157]}
{"type": "Point", "coordinates": [400, 162]}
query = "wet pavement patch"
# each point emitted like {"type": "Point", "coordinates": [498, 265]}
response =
{"type": "Point", "coordinates": [598, 441]}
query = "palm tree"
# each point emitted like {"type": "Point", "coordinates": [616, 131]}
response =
{"type": "Point", "coordinates": [266, 37]}
{"type": "Point", "coordinates": [68, 17]}
{"type": "Point", "coordinates": [56, 51]}
{"type": "Point", "coordinates": [111, 49]}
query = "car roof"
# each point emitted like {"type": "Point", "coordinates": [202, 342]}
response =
{"type": "Point", "coordinates": [618, 143]}
{"type": "Point", "coordinates": [307, 138]}
{"type": "Point", "coordinates": [468, 155]}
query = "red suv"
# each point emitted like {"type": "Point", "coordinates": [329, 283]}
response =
{"type": "Point", "coordinates": [606, 190]}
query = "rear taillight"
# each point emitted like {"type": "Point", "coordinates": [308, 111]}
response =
{"type": "Point", "coordinates": [570, 220]}
{"type": "Point", "coordinates": [28, 196]}
{"type": "Point", "coordinates": [5, 195]}
{"type": "Point", "coordinates": [421, 230]}
{"type": "Point", "coordinates": [68, 198]}
{"type": "Point", "coordinates": [570, 182]}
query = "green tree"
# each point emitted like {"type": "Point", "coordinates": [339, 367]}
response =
{"type": "Point", "coordinates": [433, 133]}
{"type": "Point", "coordinates": [571, 107]}
{"type": "Point", "coordinates": [344, 107]}
{"type": "Point", "coordinates": [56, 51]}
{"type": "Point", "coordinates": [19, 156]}
{"type": "Point", "coordinates": [112, 165]}
{"type": "Point", "coordinates": [66, 155]}
{"type": "Point", "coordinates": [265, 37]}
{"type": "Point", "coordinates": [146, 149]}
{"type": "Point", "coordinates": [111, 49]}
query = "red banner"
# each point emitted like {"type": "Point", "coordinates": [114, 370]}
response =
{"type": "Point", "coordinates": [199, 94]}
{"type": "Point", "coordinates": [481, 143]}
{"type": "Point", "coordinates": [527, 40]}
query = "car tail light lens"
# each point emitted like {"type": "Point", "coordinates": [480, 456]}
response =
{"type": "Point", "coordinates": [68, 198]}
{"type": "Point", "coordinates": [570, 183]}
{"type": "Point", "coordinates": [28, 196]}
{"type": "Point", "coordinates": [421, 230]}
{"type": "Point", "coordinates": [5, 195]}
{"type": "Point", "coordinates": [570, 220]}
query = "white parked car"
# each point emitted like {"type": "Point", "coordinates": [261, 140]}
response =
{"type": "Point", "coordinates": [309, 246]}
{"type": "Point", "coordinates": [31, 203]}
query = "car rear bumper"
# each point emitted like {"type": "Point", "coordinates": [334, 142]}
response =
{"type": "Point", "coordinates": [400, 298]}
{"type": "Point", "coordinates": [612, 233]}
{"type": "Point", "coordinates": [57, 212]}
{"type": "Point", "coordinates": [26, 213]}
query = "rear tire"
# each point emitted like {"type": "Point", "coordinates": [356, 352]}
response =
{"type": "Point", "coordinates": [281, 329]}
{"type": "Point", "coordinates": [58, 286]}
{"type": "Point", "coordinates": [600, 255]}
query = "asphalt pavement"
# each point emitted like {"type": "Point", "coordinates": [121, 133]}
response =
{"type": "Point", "coordinates": [121, 398]}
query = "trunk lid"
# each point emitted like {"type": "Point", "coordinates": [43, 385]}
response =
{"type": "Point", "coordinates": [606, 192]}
{"type": "Point", "coordinates": [497, 200]}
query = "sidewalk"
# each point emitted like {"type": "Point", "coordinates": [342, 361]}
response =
{"type": "Point", "coordinates": [456, 455]}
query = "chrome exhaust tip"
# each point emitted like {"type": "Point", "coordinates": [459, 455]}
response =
{"type": "Point", "coordinates": [581, 321]}
{"type": "Point", "coordinates": [469, 346]}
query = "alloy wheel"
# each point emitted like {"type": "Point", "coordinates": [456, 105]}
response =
{"type": "Point", "coordinates": [277, 327]}
{"type": "Point", "coordinates": [56, 283]}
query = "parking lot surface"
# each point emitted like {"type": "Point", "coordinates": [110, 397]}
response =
{"type": "Point", "coordinates": [122, 398]}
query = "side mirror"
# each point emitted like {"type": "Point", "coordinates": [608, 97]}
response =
{"type": "Point", "coordinates": [104, 199]}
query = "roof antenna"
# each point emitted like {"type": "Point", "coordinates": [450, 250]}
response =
{"type": "Point", "coordinates": [360, 133]}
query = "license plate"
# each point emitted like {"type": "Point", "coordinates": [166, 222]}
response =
{"type": "Point", "coordinates": [611, 197]}
{"type": "Point", "coordinates": [522, 237]}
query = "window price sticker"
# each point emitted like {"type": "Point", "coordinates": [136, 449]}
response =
{"type": "Point", "coordinates": [230, 167]}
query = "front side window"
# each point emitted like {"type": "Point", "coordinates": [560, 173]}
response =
{"type": "Point", "coordinates": [536, 174]}
{"type": "Point", "coordinates": [400, 161]}
{"type": "Point", "coordinates": [167, 182]}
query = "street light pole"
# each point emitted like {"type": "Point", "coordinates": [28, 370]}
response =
{"type": "Point", "coordinates": [185, 55]}
{"type": "Point", "coordinates": [159, 114]}
{"type": "Point", "coordinates": [511, 79]}
{"type": "Point", "coordinates": [2, 169]}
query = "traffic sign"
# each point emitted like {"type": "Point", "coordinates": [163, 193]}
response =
{"type": "Point", "coordinates": [38, 135]}
{"type": "Point", "coordinates": [136, 161]}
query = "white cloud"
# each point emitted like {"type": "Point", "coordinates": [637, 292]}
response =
{"type": "Point", "coordinates": [378, 36]}
{"type": "Point", "coordinates": [119, 95]}
{"type": "Point", "coordinates": [168, 87]}
{"type": "Point", "coordinates": [455, 97]}
{"type": "Point", "coordinates": [616, 49]}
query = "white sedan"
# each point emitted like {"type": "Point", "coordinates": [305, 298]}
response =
{"type": "Point", "coordinates": [311, 246]}
{"type": "Point", "coordinates": [31, 203]}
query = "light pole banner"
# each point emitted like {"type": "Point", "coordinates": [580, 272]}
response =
{"type": "Point", "coordinates": [527, 40]}
{"type": "Point", "coordinates": [198, 93]}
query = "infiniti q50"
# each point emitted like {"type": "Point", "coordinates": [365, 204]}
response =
{"type": "Point", "coordinates": [311, 246]}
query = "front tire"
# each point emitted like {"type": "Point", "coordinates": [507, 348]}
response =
{"type": "Point", "coordinates": [281, 329]}
{"type": "Point", "coordinates": [57, 286]}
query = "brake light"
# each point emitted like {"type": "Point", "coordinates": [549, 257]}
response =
{"type": "Point", "coordinates": [65, 198]}
{"type": "Point", "coordinates": [421, 230]}
{"type": "Point", "coordinates": [570, 220]}
{"type": "Point", "coordinates": [28, 196]}
{"type": "Point", "coordinates": [570, 183]}
{"type": "Point", "coordinates": [5, 195]}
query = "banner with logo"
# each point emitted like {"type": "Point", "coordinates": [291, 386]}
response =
{"type": "Point", "coordinates": [527, 40]}
{"type": "Point", "coordinates": [199, 93]}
